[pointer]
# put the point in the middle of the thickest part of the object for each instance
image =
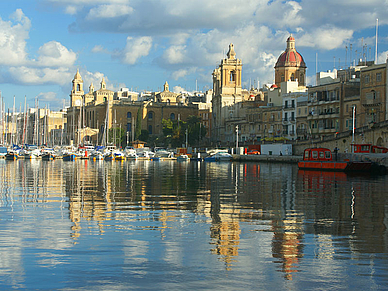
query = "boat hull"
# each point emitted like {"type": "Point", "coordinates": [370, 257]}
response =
{"type": "Point", "coordinates": [342, 166]}
{"type": "Point", "coordinates": [69, 157]}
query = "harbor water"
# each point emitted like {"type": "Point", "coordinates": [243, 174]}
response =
{"type": "Point", "coordinates": [169, 225]}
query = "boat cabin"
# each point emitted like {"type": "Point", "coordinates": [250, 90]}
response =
{"type": "Point", "coordinates": [317, 154]}
{"type": "Point", "coordinates": [368, 148]}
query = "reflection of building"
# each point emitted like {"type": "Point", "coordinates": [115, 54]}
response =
{"type": "Point", "coordinates": [286, 244]}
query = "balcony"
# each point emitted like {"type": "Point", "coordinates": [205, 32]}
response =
{"type": "Point", "coordinates": [288, 120]}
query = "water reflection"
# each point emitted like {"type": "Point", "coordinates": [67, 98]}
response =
{"type": "Point", "coordinates": [240, 213]}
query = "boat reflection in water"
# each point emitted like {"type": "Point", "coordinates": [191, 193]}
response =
{"type": "Point", "coordinates": [190, 225]}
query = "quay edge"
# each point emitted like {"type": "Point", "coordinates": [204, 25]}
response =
{"type": "Point", "coordinates": [267, 158]}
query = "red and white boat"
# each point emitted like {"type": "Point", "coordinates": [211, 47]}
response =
{"type": "Point", "coordinates": [322, 159]}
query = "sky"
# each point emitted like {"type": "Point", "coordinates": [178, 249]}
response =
{"type": "Point", "coordinates": [141, 44]}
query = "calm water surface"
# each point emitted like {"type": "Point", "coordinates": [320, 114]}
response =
{"type": "Point", "coordinates": [148, 225]}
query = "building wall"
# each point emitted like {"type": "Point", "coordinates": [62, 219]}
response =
{"type": "Point", "coordinates": [373, 94]}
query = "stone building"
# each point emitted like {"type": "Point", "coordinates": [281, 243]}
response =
{"type": "Point", "coordinates": [373, 95]}
{"type": "Point", "coordinates": [329, 105]}
{"type": "Point", "coordinates": [226, 94]}
{"type": "Point", "coordinates": [99, 109]}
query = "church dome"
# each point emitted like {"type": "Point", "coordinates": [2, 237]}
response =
{"type": "Point", "coordinates": [290, 57]}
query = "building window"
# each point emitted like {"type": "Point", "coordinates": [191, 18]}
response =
{"type": "Point", "coordinates": [292, 77]}
{"type": "Point", "coordinates": [129, 115]}
{"type": "Point", "coordinates": [232, 76]}
{"type": "Point", "coordinates": [366, 79]}
{"type": "Point", "coordinates": [150, 115]}
{"type": "Point", "coordinates": [150, 129]}
{"type": "Point", "coordinates": [282, 78]}
{"type": "Point", "coordinates": [378, 77]}
{"type": "Point", "coordinates": [129, 127]}
{"type": "Point", "coordinates": [172, 116]}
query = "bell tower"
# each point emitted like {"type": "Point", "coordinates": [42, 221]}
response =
{"type": "Point", "coordinates": [77, 90]}
{"type": "Point", "coordinates": [227, 93]}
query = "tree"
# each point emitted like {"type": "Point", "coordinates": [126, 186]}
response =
{"type": "Point", "coordinates": [117, 136]}
{"type": "Point", "coordinates": [138, 123]}
{"type": "Point", "coordinates": [196, 130]}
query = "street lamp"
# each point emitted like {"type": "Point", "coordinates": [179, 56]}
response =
{"type": "Point", "coordinates": [236, 138]}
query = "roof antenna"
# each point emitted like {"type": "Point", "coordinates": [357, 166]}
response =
{"type": "Point", "coordinates": [377, 26]}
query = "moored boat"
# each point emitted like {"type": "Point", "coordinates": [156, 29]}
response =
{"type": "Point", "coordinates": [322, 159]}
{"type": "Point", "coordinates": [69, 156]}
{"type": "Point", "coordinates": [183, 158]}
{"type": "Point", "coordinates": [219, 157]}
{"type": "Point", "coordinates": [12, 155]}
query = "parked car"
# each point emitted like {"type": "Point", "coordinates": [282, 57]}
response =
{"type": "Point", "coordinates": [253, 152]}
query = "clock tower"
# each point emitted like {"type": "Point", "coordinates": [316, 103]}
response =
{"type": "Point", "coordinates": [77, 92]}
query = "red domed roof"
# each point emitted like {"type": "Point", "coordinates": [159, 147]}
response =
{"type": "Point", "coordinates": [274, 86]}
{"type": "Point", "coordinates": [290, 57]}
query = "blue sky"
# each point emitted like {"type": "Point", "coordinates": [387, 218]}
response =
{"type": "Point", "coordinates": [140, 44]}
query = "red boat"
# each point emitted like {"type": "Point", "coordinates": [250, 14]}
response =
{"type": "Point", "coordinates": [322, 159]}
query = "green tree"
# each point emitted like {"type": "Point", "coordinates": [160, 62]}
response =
{"type": "Point", "coordinates": [144, 135]}
{"type": "Point", "coordinates": [138, 123]}
{"type": "Point", "coordinates": [117, 136]}
{"type": "Point", "coordinates": [196, 130]}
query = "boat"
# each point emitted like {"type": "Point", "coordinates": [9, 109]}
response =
{"type": "Point", "coordinates": [219, 157]}
{"type": "Point", "coordinates": [96, 156]}
{"type": "Point", "coordinates": [12, 155]}
{"type": "Point", "coordinates": [48, 154]}
{"type": "Point", "coordinates": [183, 158]}
{"type": "Point", "coordinates": [3, 151]}
{"type": "Point", "coordinates": [131, 155]}
{"type": "Point", "coordinates": [368, 148]}
{"type": "Point", "coordinates": [322, 159]}
{"type": "Point", "coordinates": [69, 156]}
{"type": "Point", "coordinates": [118, 155]}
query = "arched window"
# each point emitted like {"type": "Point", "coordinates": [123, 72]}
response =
{"type": "Point", "coordinates": [129, 115]}
{"type": "Point", "coordinates": [232, 76]}
{"type": "Point", "coordinates": [150, 115]}
{"type": "Point", "coordinates": [168, 101]}
{"type": "Point", "coordinates": [78, 87]}
{"type": "Point", "coordinates": [172, 116]}
{"type": "Point", "coordinates": [292, 77]}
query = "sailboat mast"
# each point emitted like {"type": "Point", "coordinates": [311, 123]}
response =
{"type": "Point", "coordinates": [13, 122]}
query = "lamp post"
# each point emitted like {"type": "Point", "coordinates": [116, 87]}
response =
{"type": "Point", "coordinates": [236, 138]}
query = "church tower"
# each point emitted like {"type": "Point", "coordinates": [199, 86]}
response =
{"type": "Point", "coordinates": [290, 65]}
{"type": "Point", "coordinates": [77, 91]}
{"type": "Point", "coordinates": [227, 94]}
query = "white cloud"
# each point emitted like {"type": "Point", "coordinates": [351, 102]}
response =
{"type": "Point", "coordinates": [54, 54]}
{"type": "Point", "coordinates": [382, 57]}
{"type": "Point", "coordinates": [99, 49]}
{"type": "Point", "coordinates": [135, 49]}
{"type": "Point", "coordinates": [183, 73]}
{"type": "Point", "coordinates": [35, 76]}
{"type": "Point", "coordinates": [175, 54]}
{"type": "Point", "coordinates": [13, 35]}
{"type": "Point", "coordinates": [71, 10]}
{"type": "Point", "coordinates": [326, 38]}
{"type": "Point", "coordinates": [178, 89]}
{"type": "Point", "coordinates": [109, 11]}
